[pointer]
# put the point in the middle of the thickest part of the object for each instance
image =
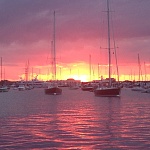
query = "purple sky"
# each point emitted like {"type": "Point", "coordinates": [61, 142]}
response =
{"type": "Point", "coordinates": [26, 28]}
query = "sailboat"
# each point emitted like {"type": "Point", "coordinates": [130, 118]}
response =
{"type": "Point", "coordinates": [108, 90]}
{"type": "Point", "coordinates": [53, 88]}
{"type": "Point", "coordinates": [139, 86]}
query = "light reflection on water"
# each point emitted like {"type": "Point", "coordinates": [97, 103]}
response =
{"type": "Point", "coordinates": [74, 120]}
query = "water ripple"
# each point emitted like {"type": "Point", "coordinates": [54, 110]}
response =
{"type": "Point", "coordinates": [82, 122]}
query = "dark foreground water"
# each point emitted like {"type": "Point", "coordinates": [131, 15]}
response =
{"type": "Point", "coordinates": [74, 120]}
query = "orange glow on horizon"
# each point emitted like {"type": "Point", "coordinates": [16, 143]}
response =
{"type": "Point", "coordinates": [80, 71]}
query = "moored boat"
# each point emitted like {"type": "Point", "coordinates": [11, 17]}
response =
{"type": "Point", "coordinates": [53, 90]}
{"type": "Point", "coordinates": [4, 89]}
{"type": "Point", "coordinates": [146, 91]}
{"type": "Point", "coordinates": [109, 90]}
{"type": "Point", "coordinates": [87, 88]}
{"type": "Point", "coordinates": [137, 88]}
{"type": "Point", "coordinates": [21, 87]}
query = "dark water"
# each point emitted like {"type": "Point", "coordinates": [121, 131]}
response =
{"type": "Point", "coordinates": [74, 120]}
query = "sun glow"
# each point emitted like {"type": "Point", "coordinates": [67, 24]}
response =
{"type": "Point", "coordinates": [80, 71]}
{"type": "Point", "coordinates": [83, 78]}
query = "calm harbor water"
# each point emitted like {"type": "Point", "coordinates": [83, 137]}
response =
{"type": "Point", "coordinates": [74, 120]}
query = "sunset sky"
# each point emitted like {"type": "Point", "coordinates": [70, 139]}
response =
{"type": "Point", "coordinates": [26, 32]}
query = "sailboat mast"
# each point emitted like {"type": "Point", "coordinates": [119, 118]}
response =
{"type": "Point", "coordinates": [90, 66]}
{"type": "Point", "coordinates": [145, 71]}
{"type": "Point", "coordinates": [1, 68]}
{"type": "Point", "coordinates": [139, 67]}
{"type": "Point", "coordinates": [54, 50]}
{"type": "Point", "coordinates": [108, 25]}
{"type": "Point", "coordinates": [52, 61]}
